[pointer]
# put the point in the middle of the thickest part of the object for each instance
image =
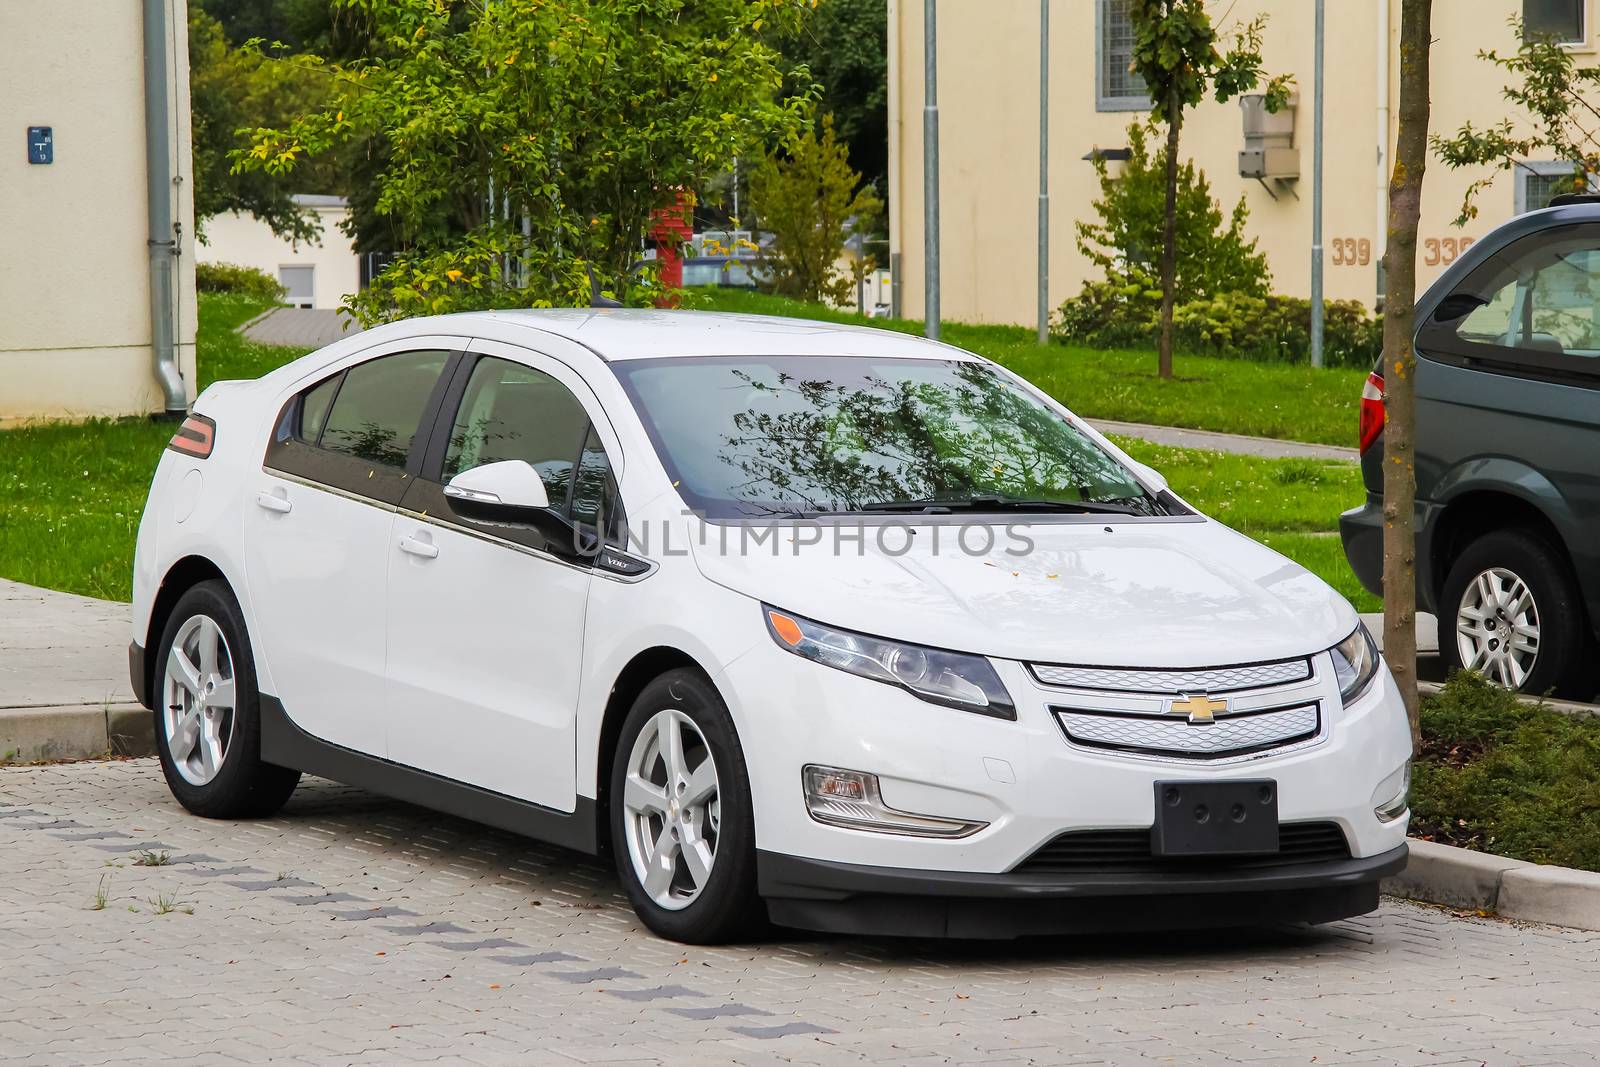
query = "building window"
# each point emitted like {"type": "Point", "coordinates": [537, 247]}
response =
{"type": "Point", "coordinates": [1117, 87]}
{"type": "Point", "coordinates": [1537, 183]}
{"type": "Point", "coordinates": [1561, 20]}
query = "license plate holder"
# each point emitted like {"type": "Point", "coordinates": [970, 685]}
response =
{"type": "Point", "coordinates": [1227, 818]}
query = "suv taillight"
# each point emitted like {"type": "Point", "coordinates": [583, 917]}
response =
{"type": "Point", "coordinates": [1372, 413]}
{"type": "Point", "coordinates": [195, 437]}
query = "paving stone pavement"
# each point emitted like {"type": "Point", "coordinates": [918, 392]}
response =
{"type": "Point", "coordinates": [351, 928]}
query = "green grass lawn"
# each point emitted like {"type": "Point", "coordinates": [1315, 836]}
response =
{"type": "Point", "coordinates": [71, 494]}
{"type": "Point", "coordinates": [1282, 400]}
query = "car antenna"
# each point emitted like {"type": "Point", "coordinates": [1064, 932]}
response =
{"type": "Point", "coordinates": [596, 298]}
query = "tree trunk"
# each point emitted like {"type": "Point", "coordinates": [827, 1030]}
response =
{"type": "Point", "coordinates": [1169, 238]}
{"type": "Point", "coordinates": [1400, 360]}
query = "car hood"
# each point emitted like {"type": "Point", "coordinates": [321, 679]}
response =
{"type": "Point", "coordinates": [1136, 594]}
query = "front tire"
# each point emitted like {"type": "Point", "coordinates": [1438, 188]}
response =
{"type": "Point", "coordinates": [682, 829]}
{"type": "Point", "coordinates": [208, 721]}
{"type": "Point", "coordinates": [1511, 610]}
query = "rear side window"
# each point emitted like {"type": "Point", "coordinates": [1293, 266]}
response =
{"type": "Point", "coordinates": [376, 411]}
{"type": "Point", "coordinates": [1533, 307]}
{"type": "Point", "coordinates": [314, 406]}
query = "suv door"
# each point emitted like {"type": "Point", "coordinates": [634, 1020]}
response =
{"type": "Point", "coordinates": [486, 619]}
{"type": "Point", "coordinates": [317, 534]}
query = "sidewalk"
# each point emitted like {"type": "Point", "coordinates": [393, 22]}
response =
{"type": "Point", "coordinates": [1238, 444]}
{"type": "Point", "coordinates": [64, 691]}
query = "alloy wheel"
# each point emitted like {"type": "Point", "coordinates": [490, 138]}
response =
{"type": "Point", "coordinates": [199, 695]}
{"type": "Point", "coordinates": [1497, 627]}
{"type": "Point", "coordinates": [672, 809]}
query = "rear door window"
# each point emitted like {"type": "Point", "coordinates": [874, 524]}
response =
{"type": "Point", "coordinates": [379, 408]}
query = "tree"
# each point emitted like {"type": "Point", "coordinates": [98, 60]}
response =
{"type": "Point", "coordinates": [1211, 255]}
{"type": "Point", "coordinates": [230, 89]}
{"type": "Point", "coordinates": [1175, 52]}
{"type": "Point", "coordinates": [522, 146]}
{"type": "Point", "coordinates": [845, 50]}
{"type": "Point", "coordinates": [1400, 357]}
{"type": "Point", "coordinates": [809, 202]}
{"type": "Point", "coordinates": [1544, 81]}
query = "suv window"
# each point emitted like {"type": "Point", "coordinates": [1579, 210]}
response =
{"type": "Point", "coordinates": [511, 411]}
{"type": "Point", "coordinates": [1534, 305]}
{"type": "Point", "coordinates": [376, 411]}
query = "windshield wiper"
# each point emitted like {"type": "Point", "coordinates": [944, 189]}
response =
{"type": "Point", "coordinates": [1004, 503]}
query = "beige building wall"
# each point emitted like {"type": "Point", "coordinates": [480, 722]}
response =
{"type": "Point", "coordinates": [988, 105]}
{"type": "Point", "coordinates": [75, 279]}
{"type": "Point", "coordinates": [246, 241]}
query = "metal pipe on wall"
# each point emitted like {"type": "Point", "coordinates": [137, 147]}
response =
{"type": "Point", "coordinates": [1316, 191]}
{"type": "Point", "coordinates": [163, 241]}
{"type": "Point", "coordinates": [930, 168]}
{"type": "Point", "coordinates": [1044, 171]}
{"type": "Point", "coordinates": [1380, 243]}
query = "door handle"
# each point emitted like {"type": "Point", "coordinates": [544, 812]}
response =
{"type": "Point", "coordinates": [274, 500]}
{"type": "Point", "coordinates": [418, 547]}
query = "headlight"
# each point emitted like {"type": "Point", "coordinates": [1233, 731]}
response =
{"type": "Point", "coordinates": [954, 679]}
{"type": "Point", "coordinates": [1355, 663]}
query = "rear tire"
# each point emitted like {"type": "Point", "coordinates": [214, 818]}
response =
{"type": "Point", "coordinates": [1511, 609]}
{"type": "Point", "coordinates": [208, 720]}
{"type": "Point", "coordinates": [682, 827]}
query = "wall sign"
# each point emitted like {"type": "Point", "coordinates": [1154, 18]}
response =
{"type": "Point", "coordinates": [41, 144]}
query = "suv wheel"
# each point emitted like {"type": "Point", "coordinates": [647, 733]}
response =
{"type": "Point", "coordinates": [681, 823]}
{"type": "Point", "coordinates": [208, 727]}
{"type": "Point", "coordinates": [1517, 616]}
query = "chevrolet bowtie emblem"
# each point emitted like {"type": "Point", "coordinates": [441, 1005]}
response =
{"type": "Point", "coordinates": [1201, 707]}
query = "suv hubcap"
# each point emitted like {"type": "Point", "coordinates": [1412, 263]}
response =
{"type": "Point", "coordinates": [673, 809]}
{"type": "Point", "coordinates": [197, 710]}
{"type": "Point", "coordinates": [1497, 627]}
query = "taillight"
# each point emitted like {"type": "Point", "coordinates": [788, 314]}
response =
{"type": "Point", "coordinates": [1372, 412]}
{"type": "Point", "coordinates": [195, 437]}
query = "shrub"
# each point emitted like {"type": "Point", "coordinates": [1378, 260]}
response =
{"type": "Point", "coordinates": [1500, 776]}
{"type": "Point", "coordinates": [1214, 255]}
{"type": "Point", "coordinates": [1126, 315]}
{"type": "Point", "coordinates": [809, 202]}
{"type": "Point", "coordinates": [232, 278]}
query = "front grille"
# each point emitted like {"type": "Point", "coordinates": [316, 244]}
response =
{"type": "Point", "coordinates": [1128, 852]}
{"type": "Point", "coordinates": [1229, 735]}
{"type": "Point", "coordinates": [1174, 682]}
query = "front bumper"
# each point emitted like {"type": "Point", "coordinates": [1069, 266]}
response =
{"type": "Point", "coordinates": [859, 899]}
{"type": "Point", "coordinates": [1029, 784]}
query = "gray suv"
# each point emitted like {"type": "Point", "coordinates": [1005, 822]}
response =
{"type": "Point", "coordinates": [1508, 454]}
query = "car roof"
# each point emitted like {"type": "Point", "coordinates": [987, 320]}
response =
{"type": "Point", "coordinates": [643, 333]}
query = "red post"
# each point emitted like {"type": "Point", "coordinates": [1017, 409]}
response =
{"type": "Point", "coordinates": [671, 227]}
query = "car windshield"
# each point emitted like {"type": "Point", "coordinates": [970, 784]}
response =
{"type": "Point", "coordinates": [758, 436]}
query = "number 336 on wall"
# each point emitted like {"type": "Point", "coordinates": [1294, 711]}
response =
{"type": "Point", "coordinates": [1436, 251]}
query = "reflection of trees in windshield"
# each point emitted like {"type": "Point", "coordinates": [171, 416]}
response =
{"type": "Point", "coordinates": [825, 445]}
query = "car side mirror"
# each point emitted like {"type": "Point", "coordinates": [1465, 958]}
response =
{"type": "Point", "coordinates": [1457, 306]}
{"type": "Point", "coordinates": [508, 491]}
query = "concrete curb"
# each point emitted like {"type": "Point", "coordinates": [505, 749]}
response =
{"type": "Point", "coordinates": [1511, 889]}
{"type": "Point", "coordinates": [1574, 708]}
{"type": "Point", "coordinates": [77, 731]}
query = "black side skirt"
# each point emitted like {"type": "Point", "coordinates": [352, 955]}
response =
{"type": "Point", "coordinates": [287, 745]}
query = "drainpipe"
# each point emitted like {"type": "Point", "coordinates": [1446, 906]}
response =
{"type": "Point", "coordinates": [1380, 243]}
{"type": "Point", "coordinates": [164, 249]}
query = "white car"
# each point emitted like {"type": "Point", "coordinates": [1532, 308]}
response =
{"type": "Point", "coordinates": [828, 625]}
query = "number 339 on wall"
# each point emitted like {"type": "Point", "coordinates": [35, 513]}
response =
{"type": "Point", "coordinates": [1444, 250]}
{"type": "Point", "coordinates": [1436, 251]}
